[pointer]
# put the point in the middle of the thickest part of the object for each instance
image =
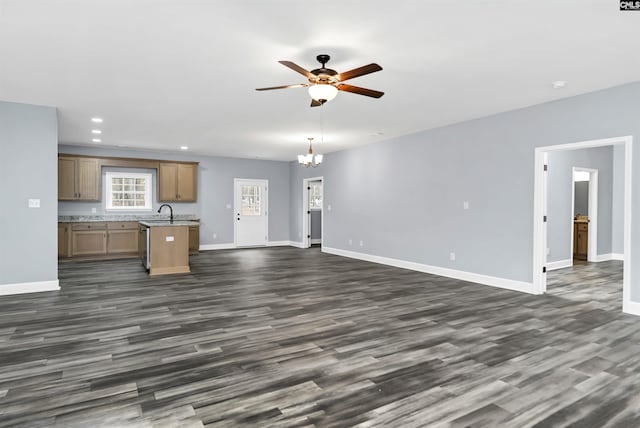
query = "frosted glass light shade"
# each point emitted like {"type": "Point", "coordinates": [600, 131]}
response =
{"type": "Point", "coordinates": [301, 158]}
{"type": "Point", "coordinates": [323, 91]}
{"type": "Point", "coordinates": [318, 158]}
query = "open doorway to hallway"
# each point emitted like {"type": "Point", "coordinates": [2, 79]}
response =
{"type": "Point", "coordinates": [312, 212]}
{"type": "Point", "coordinates": [583, 256]}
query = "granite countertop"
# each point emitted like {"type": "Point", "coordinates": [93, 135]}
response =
{"type": "Point", "coordinates": [126, 217]}
{"type": "Point", "coordinates": [165, 223]}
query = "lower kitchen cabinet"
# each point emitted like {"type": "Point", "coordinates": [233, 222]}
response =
{"type": "Point", "coordinates": [89, 242]}
{"type": "Point", "coordinates": [194, 239]}
{"type": "Point", "coordinates": [64, 237]}
{"type": "Point", "coordinates": [122, 237]}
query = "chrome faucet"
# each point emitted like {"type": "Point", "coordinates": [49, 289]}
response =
{"type": "Point", "coordinates": [170, 209]}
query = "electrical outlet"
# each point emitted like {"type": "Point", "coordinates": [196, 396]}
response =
{"type": "Point", "coordinates": [215, 235]}
{"type": "Point", "coordinates": [465, 205]}
{"type": "Point", "coordinates": [228, 206]}
{"type": "Point", "coordinates": [329, 207]}
{"type": "Point", "coordinates": [350, 241]}
{"type": "Point", "coordinates": [34, 203]}
{"type": "Point", "coordinates": [452, 256]}
{"type": "Point", "coordinates": [93, 210]}
{"type": "Point", "coordinates": [361, 243]}
{"type": "Point", "coordinates": [548, 251]}
{"type": "Point", "coordinates": [169, 238]}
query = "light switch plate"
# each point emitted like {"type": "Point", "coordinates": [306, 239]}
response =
{"type": "Point", "coordinates": [465, 205]}
{"type": "Point", "coordinates": [228, 206]}
{"type": "Point", "coordinates": [34, 203]}
{"type": "Point", "coordinates": [329, 207]}
{"type": "Point", "coordinates": [169, 238]}
{"type": "Point", "coordinates": [93, 210]}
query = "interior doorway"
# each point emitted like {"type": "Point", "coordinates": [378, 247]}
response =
{"type": "Point", "coordinates": [540, 237]}
{"type": "Point", "coordinates": [584, 209]}
{"type": "Point", "coordinates": [251, 215]}
{"type": "Point", "coordinates": [312, 211]}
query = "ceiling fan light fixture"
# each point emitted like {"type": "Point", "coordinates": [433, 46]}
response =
{"type": "Point", "coordinates": [323, 92]}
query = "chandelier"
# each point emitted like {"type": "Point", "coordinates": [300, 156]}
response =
{"type": "Point", "coordinates": [310, 159]}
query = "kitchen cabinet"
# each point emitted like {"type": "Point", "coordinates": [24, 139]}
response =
{"type": "Point", "coordinates": [194, 239]}
{"type": "Point", "coordinates": [177, 182]}
{"type": "Point", "coordinates": [122, 237]}
{"type": "Point", "coordinates": [78, 179]}
{"type": "Point", "coordinates": [580, 240]}
{"type": "Point", "coordinates": [88, 239]}
{"type": "Point", "coordinates": [64, 236]}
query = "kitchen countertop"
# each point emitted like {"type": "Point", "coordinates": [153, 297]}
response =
{"type": "Point", "coordinates": [125, 217]}
{"type": "Point", "coordinates": [165, 223]}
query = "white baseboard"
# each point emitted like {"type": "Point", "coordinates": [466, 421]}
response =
{"type": "Point", "coordinates": [609, 256]}
{"type": "Point", "coordinates": [630, 307]}
{"type": "Point", "coordinates": [509, 284]}
{"type": "Point", "coordinates": [209, 247]}
{"type": "Point", "coordinates": [231, 245]}
{"type": "Point", "coordinates": [316, 241]}
{"type": "Point", "coordinates": [29, 287]}
{"type": "Point", "coordinates": [560, 264]}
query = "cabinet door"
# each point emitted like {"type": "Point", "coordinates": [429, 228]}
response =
{"type": "Point", "coordinates": [194, 239]}
{"type": "Point", "coordinates": [88, 179]}
{"type": "Point", "coordinates": [187, 179]}
{"type": "Point", "coordinates": [123, 241]}
{"type": "Point", "coordinates": [66, 179]}
{"type": "Point", "coordinates": [63, 240]}
{"type": "Point", "coordinates": [168, 182]}
{"type": "Point", "coordinates": [89, 242]}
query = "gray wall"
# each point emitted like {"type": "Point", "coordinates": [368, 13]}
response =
{"type": "Point", "coordinates": [28, 170]}
{"type": "Point", "coordinates": [560, 182]}
{"type": "Point", "coordinates": [413, 187]}
{"type": "Point", "coordinates": [617, 216]}
{"type": "Point", "coordinates": [581, 198]}
{"type": "Point", "coordinates": [215, 191]}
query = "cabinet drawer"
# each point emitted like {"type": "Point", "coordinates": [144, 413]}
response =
{"type": "Point", "coordinates": [88, 226]}
{"type": "Point", "coordinates": [122, 225]}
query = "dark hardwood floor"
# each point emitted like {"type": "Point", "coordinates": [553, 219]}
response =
{"type": "Point", "coordinates": [283, 337]}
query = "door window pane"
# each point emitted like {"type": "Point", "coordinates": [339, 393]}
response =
{"type": "Point", "coordinates": [251, 203]}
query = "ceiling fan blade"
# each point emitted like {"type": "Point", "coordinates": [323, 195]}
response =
{"type": "Point", "coordinates": [316, 103]}
{"type": "Point", "coordinates": [360, 91]}
{"type": "Point", "coordinates": [301, 85]}
{"type": "Point", "coordinates": [296, 67]}
{"type": "Point", "coordinates": [357, 72]}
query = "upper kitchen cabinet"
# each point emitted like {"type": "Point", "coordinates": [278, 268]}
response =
{"type": "Point", "coordinates": [78, 179]}
{"type": "Point", "coordinates": [177, 182]}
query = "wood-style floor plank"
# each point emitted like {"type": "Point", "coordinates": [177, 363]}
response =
{"type": "Point", "coordinates": [283, 337]}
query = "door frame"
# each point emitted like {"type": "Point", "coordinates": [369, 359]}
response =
{"type": "Point", "coordinates": [306, 242]}
{"type": "Point", "coordinates": [592, 213]}
{"type": "Point", "coordinates": [539, 211]}
{"type": "Point", "coordinates": [236, 208]}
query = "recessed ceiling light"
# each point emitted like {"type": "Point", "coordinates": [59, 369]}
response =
{"type": "Point", "coordinates": [184, 148]}
{"type": "Point", "coordinates": [559, 84]}
{"type": "Point", "coordinates": [96, 131]}
{"type": "Point", "coordinates": [97, 140]}
{"type": "Point", "coordinates": [96, 120]}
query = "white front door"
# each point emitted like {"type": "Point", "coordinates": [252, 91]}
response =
{"type": "Point", "coordinates": [251, 212]}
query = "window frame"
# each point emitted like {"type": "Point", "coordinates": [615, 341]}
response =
{"type": "Point", "coordinates": [316, 185]}
{"type": "Point", "coordinates": [148, 191]}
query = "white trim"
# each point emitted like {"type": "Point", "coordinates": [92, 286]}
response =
{"type": "Point", "coordinates": [148, 192]}
{"type": "Point", "coordinates": [539, 234]}
{"type": "Point", "coordinates": [560, 264]}
{"type": "Point", "coordinates": [609, 256]}
{"type": "Point", "coordinates": [209, 247]}
{"type": "Point", "coordinates": [278, 243]}
{"type": "Point", "coordinates": [617, 256]}
{"type": "Point", "coordinates": [316, 241]}
{"type": "Point", "coordinates": [297, 244]}
{"type": "Point", "coordinates": [630, 307]}
{"type": "Point", "coordinates": [29, 287]}
{"type": "Point", "coordinates": [509, 284]}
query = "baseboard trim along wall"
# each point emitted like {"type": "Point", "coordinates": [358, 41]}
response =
{"type": "Point", "coordinates": [630, 307]}
{"type": "Point", "coordinates": [560, 264]}
{"type": "Point", "coordinates": [609, 256]}
{"type": "Point", "coordinates": [29, 287]}
{"type": "Point", "coordinates": [231, 245]}
{"type": "Point", "coordinates": [509, 284]}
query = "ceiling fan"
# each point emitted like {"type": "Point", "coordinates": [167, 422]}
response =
{"type": "Point", "coordinates": [324, 83]}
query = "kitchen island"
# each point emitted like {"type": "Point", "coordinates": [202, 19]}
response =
{"type": "Point", "coordinates": [164, 246]}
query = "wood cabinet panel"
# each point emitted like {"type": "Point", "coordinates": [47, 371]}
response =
{"type": "Point", "coordinates": [63, 239]}
{"type": "Point", "coordinates": [89, 226]}
{"type": "Point", "coordinates": [177, 182]}
{"type": "Point", "coordinates": [89, 242]}
{"type": "Point", "coordinates": [121, 225]}
{"type": "Point", "coordinates": [122, 241]}
{"type": "Point", "coordinates": [194, 239]}
{"type": "Point", "coordinates": [78, 179]}
{"type": "Point", "coordinates": [580, 241]}
{"type": "Point", "coordinates": [66, 179]}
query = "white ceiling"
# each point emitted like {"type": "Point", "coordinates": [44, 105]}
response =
{"type": "Point", "coordinates": [166, 73]}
